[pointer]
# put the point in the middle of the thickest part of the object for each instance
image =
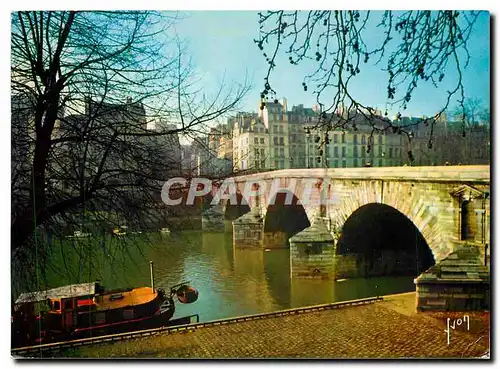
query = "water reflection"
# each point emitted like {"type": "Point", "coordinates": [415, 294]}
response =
{"type": "Point", "coordinates": [231, 281]}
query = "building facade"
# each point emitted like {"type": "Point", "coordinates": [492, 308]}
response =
{"type": "Point", "coordinates": [280, 138]}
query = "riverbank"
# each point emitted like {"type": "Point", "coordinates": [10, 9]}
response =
{"type": "Point", "coordinates": [387, 329]}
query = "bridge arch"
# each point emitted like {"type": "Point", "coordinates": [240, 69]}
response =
{"type": "Point", "coordinates": [382, 241]}
{"type": "Point", "coordinates": [401, 197]}
{"type": "Point", "coordinates": [284, 217]}
{"type": "Point", "coordinates": [232, 211]}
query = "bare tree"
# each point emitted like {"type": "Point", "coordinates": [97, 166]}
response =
{"type": "Point", "coordinates": [471, 113]}
{"type": "Point", "coordinates": [471, 126]}
{"type": "Point", "coordinates": [86, 89]}
{"type": "Point", "coordinates": [415, 47]}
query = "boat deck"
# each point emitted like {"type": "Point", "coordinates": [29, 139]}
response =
{"type": "Point", "coordinates": [137, 296]}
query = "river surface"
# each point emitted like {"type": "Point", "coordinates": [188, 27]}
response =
{"type": "Point", "coordinates": [231, 282]}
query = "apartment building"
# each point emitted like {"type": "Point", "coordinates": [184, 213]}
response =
{"type": "Point", "coordinates": [280, 138]}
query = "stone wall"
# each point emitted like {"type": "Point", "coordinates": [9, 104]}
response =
{"type": "Point", "coordinates": [275, 240]}
{"type": "Point", "coordinates": [212, 223]}
{"type": "Point", "coordinates": [248, 235]}
{"type": "Point", "coordinates": [346, 266]}
{"type": "Point", "coordinates": [453, 297]}
{"type": "Point", "coordinates": [312, 260]}
{"type": "Point", "coordinates": [459, 282]}
{"type": "Point", "coordinates": [248, 230]}
{"type": "Point", "coordinates": [385, 262]}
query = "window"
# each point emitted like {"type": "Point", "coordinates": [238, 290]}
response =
{"type": "Point", "coordinates": [379, 162]}
{"type": "Point", "coordinates": [355, 151]}
{"type": "Point", "coordinates": [363, 140]}
{"type": "Point", "coordinates": [282, 142]}
{"type": "Point", "coordinates": [343, 137]}
{"type": "Point", "coordinates": [344, 164]}
{"type": "Point", "coordinates": [275, 129]}
{"type": "Point", "coordinates": [256, 140]}
{"type": "Point", "coordinates": [262, 152]}
{"type": "Point", "coordinates": [335, 163]}
{"type": "Point", "coordinates": [380, 139]}
{"type": "Point", "coordinates": [335, 138]}
{"type": "Point", "coordinates": [314, 248]}
{"type": "Point", "coordinates": [281, 129]}
{"type": "Point", "coordinates": [256, 152]}
{"type": "Point", "coordinates": [355, 163]}
{"type": "Point", "coordinates": [57, 305]}
{"type": "Point", "coordinates": [355, 139]}
{"type": "Point", "coordinates": [336, 151]}
{"type": "Point", "coordinates": [262, 140]}
{"type": "Point", "coordinates": [390, 152]}
{"type": "Point", "coordinates": [380, 151]}
{"type": "Point", "coordinates": [343, 151]}
{"type": "Point", "coordinates": [363, 151]}
{"type": "Point", "coordinates": [275, 140]}
{"type": "Point", "coordinates": [275, 151]}
{"type": "Point", "coordinates": [282, 151]}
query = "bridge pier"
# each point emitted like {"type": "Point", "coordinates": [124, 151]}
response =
{"type": "Point", "coordinates": [459, 282]}
{"type": "Point", "coordinates": [312, 252]}
{"type": "Point", "coordinates": [212, 219]}
{"type": "Point", "coordinates": [248, 230]}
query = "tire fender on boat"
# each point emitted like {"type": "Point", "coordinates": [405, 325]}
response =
{"type": "Point", "coordinates": [187, 294]}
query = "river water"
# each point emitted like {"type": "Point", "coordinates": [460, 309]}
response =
{"type": "Point", "coordinates": [231, 282]}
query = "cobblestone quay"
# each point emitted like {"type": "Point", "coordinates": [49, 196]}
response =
{"type": "Point", "coordinates": [387, 329]}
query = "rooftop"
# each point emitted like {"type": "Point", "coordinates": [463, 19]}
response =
{"type": "Point", "coordinates": [73, 290]}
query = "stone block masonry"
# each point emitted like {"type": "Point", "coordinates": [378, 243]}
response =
{"type": "Point", "coordinates": [446, 204]}
{"type": "Point", "coordinates": [248, 230]}
{"type": "Point", "coordinates": [459, 282]}
{"type": "Point", "coordinates": [213, 220]}
{"type": "Point", "coordinates": [312, 252]}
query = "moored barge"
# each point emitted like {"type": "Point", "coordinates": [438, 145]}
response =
{"type": "Point", "coordinates": [88, 310]}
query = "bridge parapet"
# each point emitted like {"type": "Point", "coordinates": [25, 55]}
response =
{"type": "Point", "coordinates": [460, 173]}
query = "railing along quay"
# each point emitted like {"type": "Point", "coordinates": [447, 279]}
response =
{"type": "Point", "coordinates": [31, 351]}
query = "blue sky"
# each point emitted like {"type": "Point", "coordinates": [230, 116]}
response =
{"type": "Point", "coordinates": [221, 43]}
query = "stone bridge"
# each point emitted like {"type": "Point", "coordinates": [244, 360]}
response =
{"type": "Point", "coordinates": [449, 205]}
